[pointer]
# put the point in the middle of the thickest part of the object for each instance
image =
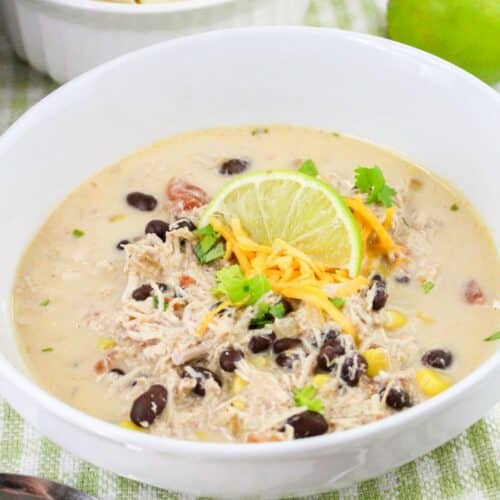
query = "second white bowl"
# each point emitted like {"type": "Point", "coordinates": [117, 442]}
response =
{"type": "Point", "coordinates": [64, 38]}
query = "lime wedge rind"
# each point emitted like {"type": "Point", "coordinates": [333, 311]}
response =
{"type": "Point", "coordinates": [295, 219]}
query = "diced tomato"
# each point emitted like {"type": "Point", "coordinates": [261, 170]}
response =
{"type": "Point", "coordinates": [102, 366]}
{"type": "Point", "coordinates": [185, 196]}
{"type": "Point", "coordinates": [473, 293]}
{"type": "Point", "coordinates": [186, 280]}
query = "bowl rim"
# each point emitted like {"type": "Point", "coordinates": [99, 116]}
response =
{"type": "Point", "coordinates": [110, 7]}
{"type": "Point", "coordinates": [242, 451]}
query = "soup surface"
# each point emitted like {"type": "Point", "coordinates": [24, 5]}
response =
{"type": "Point", "coordinates": [127, 327]}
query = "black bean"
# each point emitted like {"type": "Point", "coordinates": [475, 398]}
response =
{"type": "Point", "coordinates": [142, 201]}
{"type": "Point", "coordinates": [329, 336]}
{"type": "Point", "coordinates": [183, 222]}
{"type": "Point", "coordinates": [117, 371]}
{"type": "Point", "coordinates": [148, 406]}
{"type": "Point", "coordinates": [229, 358]}
{"type": "Point", "coordinates": [234, 166]}
{"type": "Point", "coordinates": [329, 352]}
{"type": "Point", "coordinates": [286, 360]}
{"type": "Point", "coordinates": [380, 296]}
{"type": "Point", "coordinates": [261, 343]}
{"type": "Point", "coordinates": [404, 279]}
{"type": "Point", "coordinates": [308, 424]}
{"type": "Point", "coordinates": [163, 287]}
{"type": "Point", "coordinates": [397, 398]}
{"type": "Point", "coordinates": [353, 366]}
{"type": "Point", "coordinates": [121, 244]}
{"type": "Point", "coordinates": [202, 374]}
{"type": "Point", "coordinates": [286, 343]}
{"type": "Point", "coordinates": [158, 227]}
{"type": "Point", "coordinates": [437, 358]}
{"type": "Point", "coordinates": [142, 293]}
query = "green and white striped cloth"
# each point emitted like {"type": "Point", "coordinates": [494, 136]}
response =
{"type": "Point", "coordinates": [466, 468]}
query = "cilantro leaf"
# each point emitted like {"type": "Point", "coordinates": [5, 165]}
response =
{"type": "Point", "coordinates": [267, 314]}
{"type": "Point", "coordinates": [427, 286]}
{"type": "Point", "coordinates": [156, 303]}
{"type": "Point", "coordinates": [385, 196]}
{"type": "Point", "coordinates": [77, 233]}
{"type": "Point", "coordinates": [309, 168]}
{"type": "Point", "coordinates": [305, 396]}
{"type": "Point", "coordinates": [278, 310]}
{"type": "Point", "coordinates": [338, 302]}
{"type": "Point", "coordinates": [210, 246]}
{"type": "Point", "coordinates": [256, 286]}
{"type": "Point", "coordinates": [372, 181]}
{"type": "Point", "coordinates": [495, 336]}
{"type": "Point", "coordinates": [231, 282]}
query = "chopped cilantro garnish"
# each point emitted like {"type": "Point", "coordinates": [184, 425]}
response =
{"type": "Point", "coordinates": [262, 318]}
{"type": "Point", "coordinates": [48, 349]}
{"type": "Point", "coordinates": [427, 286]}
{"type": "Point", "coordinates": [267, 314]}
{"type": "Point", "coordinates": [156, 303]}
{"type": "Point", "coordinates": [372, 181]}
{"type": "Point", "coordinates": [495, 336]}
{"type": "Point", "coordinates": [210, 246]}
{"type": "Point", "coordinates": [45, 302]}
{"type": "Point", "coordinates": [305, 396]}
{"type": "Point", "coordinates": [231, 282]}
{"type": "Point", "coordinates": [278, 310]}
{"type": "Point", "coordinates": [454, 207]}
{"type": "Point", "coordinates": [77, 233]}
{"type": "Point", "coordinates": [309, 168]}
{"type": "Point", "coordinates": [338, 302]}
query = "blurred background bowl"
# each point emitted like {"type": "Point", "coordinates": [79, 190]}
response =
{"type": "Point", "coordinates": [64, 38]}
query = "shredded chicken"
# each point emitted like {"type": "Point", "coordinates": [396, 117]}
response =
{"type": "Point", "coordinates": [157, 343]}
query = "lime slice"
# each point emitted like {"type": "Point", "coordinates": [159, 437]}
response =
{"type": "Point", "coordinates": [301, 210]}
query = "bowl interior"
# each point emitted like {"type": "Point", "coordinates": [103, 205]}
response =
{"type": "Point", "coordinates": [415, 104]}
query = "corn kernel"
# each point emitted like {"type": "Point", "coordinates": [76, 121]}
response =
{"type": "Point", "coordinates": [432, 382]}
{"type": "Point", "coordinates": [117, 217]}
{"type": "Point", "coordinates": [127, 424]}
{"type": "Point", "coordinates": [238, 384]}
{"type": "Point", "coordinates": [239, 404]}
{"type": "Point", "coordinates": [320, 380]}
{"type": "Point", "coordinates": [105, 344]}
{"type": "Point", "coordinates": [259, 361]}
{"type": "Point", "coordinates": [377, 361]}
{"type": "Point", "coordinates": [394, 319]}
{"type": "Point", "coordinates": [425, 318]}
{"type": "Point", "coordinates": [201, 436]}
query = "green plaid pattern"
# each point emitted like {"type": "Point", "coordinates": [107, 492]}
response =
{"type": "Point", "coordinates": [467, 467]}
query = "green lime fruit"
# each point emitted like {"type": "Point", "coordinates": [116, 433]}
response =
{"type": "Point", "coordinates": [465, 32]}
{"type": "Point", "coordinates": [297, 208]}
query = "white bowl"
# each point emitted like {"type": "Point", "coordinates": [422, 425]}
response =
{"type": "Point", "coordinates": [64, 38]}
{"type": "Point", "coordinates": [398, 97]}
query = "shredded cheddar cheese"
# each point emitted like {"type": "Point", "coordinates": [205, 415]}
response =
{"type": "Point", "coordinates": [209, 316]}
{"type": "Point", "coordinates": [369, 219]}
{"type": "Point", "coordinates": [290, 272]}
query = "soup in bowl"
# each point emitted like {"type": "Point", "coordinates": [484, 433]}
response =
{"type": "Point", "coordinates": [308, 294]}
{"type": "Point", "coordinates": [289, 302]}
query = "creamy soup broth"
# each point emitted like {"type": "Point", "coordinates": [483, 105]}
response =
{"type": "Point", "coordinates": [69, 284]}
